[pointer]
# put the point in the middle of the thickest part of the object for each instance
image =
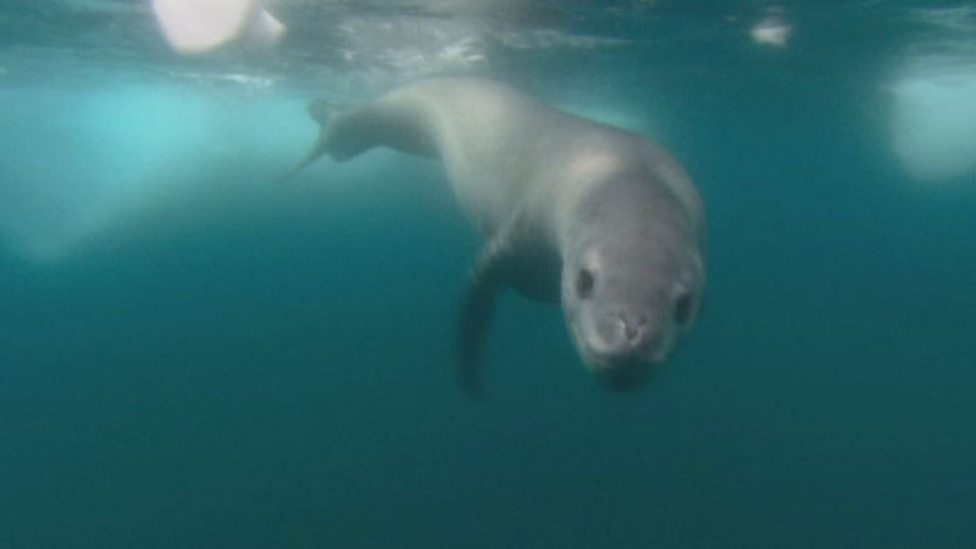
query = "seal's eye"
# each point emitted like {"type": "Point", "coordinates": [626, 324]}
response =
{"type": "Point", "coordinates": [682, 309]}
{"type": "Point", "coordinates": [584, 284]}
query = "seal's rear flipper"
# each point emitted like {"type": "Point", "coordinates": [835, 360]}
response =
{"type": "Point", "coordinates": [322, 111]}
{"type": "Point", "coordinates": [319, 149]}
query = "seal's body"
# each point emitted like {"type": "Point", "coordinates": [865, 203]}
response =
{"type": "Point", "coordinates": [598, 217]}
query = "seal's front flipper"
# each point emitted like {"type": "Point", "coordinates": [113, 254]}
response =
{"type": "Point", "coordinates": [477, 312]}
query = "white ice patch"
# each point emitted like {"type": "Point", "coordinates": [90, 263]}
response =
{"type": "Point", "coordinates": [412, 45]}
{"type": "Point", "coordinates": [771, 31]}
{"type": "Point", "coordinates": [82, 164]}
{"type": "Point", "coordinates": [934, 122]}
{"type": "Point", "coordinates": [196, 26]}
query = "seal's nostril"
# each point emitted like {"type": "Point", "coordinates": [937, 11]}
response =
{"type": "Point", "coordinates": [628, 329]}
{"type": "Point", "coordinates": [633, 327]}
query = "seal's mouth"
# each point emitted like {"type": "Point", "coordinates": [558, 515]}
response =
{"type": "Point", "coordinates": [621, 374]}
{"type": "Point", "coordinates": [628, 379]}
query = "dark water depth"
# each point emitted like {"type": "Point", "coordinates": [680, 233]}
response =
{"type": "Point", "coordinates": [191, 356]}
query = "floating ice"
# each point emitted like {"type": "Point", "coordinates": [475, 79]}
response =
{"type": "Point", "coordinates": [772, 30]}
{"type": "Point", "coordinates": [934, 122]}
{"type": "Point", "coordinates": [195, 26]}
{"type": "Point", "coordinates": [84, 164]}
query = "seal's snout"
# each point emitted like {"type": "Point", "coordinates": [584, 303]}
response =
{"type": "Point", "coordinates": [631, 328]}
{"type": "Point", "coordinates": [628, 349]}
{"type": "Point", "coordinates": [629, 336]}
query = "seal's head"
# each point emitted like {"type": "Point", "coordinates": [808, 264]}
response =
{"type": "Point", "coordinates": [632, 280]}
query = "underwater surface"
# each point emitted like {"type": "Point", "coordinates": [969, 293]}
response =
{"type": "Point", "coordinates": [196, 354]}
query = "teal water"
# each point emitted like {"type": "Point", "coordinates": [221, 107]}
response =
{"type": "Point", "coordinates": [194, 356]}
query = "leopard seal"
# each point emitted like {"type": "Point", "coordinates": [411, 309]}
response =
{"type": "Point", "coordinates": [571, 210]}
